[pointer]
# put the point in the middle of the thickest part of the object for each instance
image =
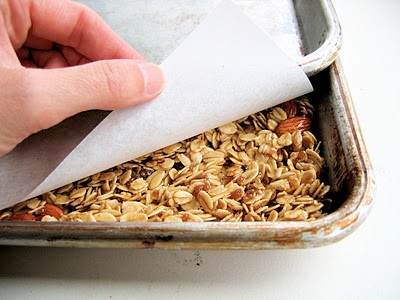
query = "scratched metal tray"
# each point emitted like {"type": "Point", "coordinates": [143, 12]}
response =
{"type": "Point", "coordinates": [308, 30]}
{"type": "Point", "coordinates": [348, 171]}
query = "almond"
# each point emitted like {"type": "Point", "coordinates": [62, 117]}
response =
{"type": "Point", "coordinates": [21, 217]}
{"type": "Point", "coordinates": [293, 124]}
{"type": "Point", "coordinates": [290, 108]}
{"type": "Point", "coordinates": [52, 210]}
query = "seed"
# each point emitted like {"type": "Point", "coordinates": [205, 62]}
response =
{"type": "Point", "coordinates": [107, 176]}
{"type": "Point", "coordinates": [182, 197]}
{"type": "Point", "coordinates": [105, 217]}
{"type": "Point", "coordinates": [33, 203]}
{"type": "Point", "coordinates": [154, 180]}
{"type": "Point", "coordinates": [296, 215]}
{"type": "Point", "coordinates": [280, 185]}
{"type": "Point", "coordinates": [134, 217]}
{"type": "Point", "coordinates": [188, 217]}
{"type": "Point", "coordinates": [278, 113]}
{"type": "Point", "coordinates": [156, 211]}
{"type": "Point", "coordinates": [78, 193]}
{"type": "Point", "coordinates": [172, 148]}
{"type": "Point", "coordinates": [138, 184]}
{"type": "Point", "coordinates": [229, 128]}
{"type": "Point", "coordinates": [173, 219]}
{"type": "Point", "coordinates": [126, 177]}
{"type": "Point", "coordinates": [247, 177]}
{"type": "Point", "coordinates": [168, 164]}
{"type": "Point", "coordinates": [196, 158]}
{"type": "Point", "coordinates": [197, 145]}
{"type": "Point", "coordinates": [205, 201]}
{"type": "Point", "coordinates": [184, 160]}
{"type": "Point", "coordinates": [62, 199]}
{"type": "Point", "coordinates": [49, 219]}
{"type": "Point", "coordinates": [248, 137]}
{"type": "Point", "coordinates": [286, 199]}
{"type": "Point", "coordinates": [273, 216]}
{"type": "Point", "coordinates": [309, 176]}
{"type": "Point", "coordinates": [132, 206]}
{"type": "Point", "coordinates": [87, 217]}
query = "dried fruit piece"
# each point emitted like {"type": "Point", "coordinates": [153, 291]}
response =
{"type": "Point", "coordinates": [237, 194]}
{"type": "Point", "coordinates": [199, 188]}
{"type": "Point", "coordinates": [293, 124]}
{"type": "Point", "coordinates": [249, 195]}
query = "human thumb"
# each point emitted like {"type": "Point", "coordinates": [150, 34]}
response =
{"type": "Point", "coordinates": [108, 84]}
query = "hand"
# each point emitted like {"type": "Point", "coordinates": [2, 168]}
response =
{"type": "Point", "coordinates": [58, 58]}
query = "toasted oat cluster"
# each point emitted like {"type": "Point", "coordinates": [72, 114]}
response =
{"type": "Point", "coordinates": [265, 167]}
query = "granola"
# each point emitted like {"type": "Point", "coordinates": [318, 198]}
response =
{"type": "Point", "coordinates": [264, 167]}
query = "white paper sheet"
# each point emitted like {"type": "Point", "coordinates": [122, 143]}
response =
{"type": "Point", "coordinates": [226, 69]}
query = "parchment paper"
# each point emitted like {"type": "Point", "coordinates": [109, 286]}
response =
{"type": "Point", "coordinates": [226, 69]}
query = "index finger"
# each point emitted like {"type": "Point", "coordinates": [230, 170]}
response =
{"type": "Point", "coordinates": [75, 25]}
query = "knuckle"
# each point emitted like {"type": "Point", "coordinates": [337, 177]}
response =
{"type": "Point", "coordinates": [112, 80]}
{"type": "Point", "coordinates": [122, 82]}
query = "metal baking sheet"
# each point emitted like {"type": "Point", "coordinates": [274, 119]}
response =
{"type": "Point", "coordinates": [307, 30]}
{"type": "Point", "coordinates": [348, 171]}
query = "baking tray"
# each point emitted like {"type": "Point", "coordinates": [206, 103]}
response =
{"type": "Point", "coordinates": [307, 30]}
{"type": "Point", "coordinates": [348, 171]}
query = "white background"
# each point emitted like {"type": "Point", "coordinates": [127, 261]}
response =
{"type": "Point", "coordinates": [365, 265]}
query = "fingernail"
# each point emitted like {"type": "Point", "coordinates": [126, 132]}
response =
{"type": "Point", "coordinates": [153, 78]}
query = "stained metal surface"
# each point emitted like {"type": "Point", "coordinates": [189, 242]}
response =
{"type": "Point", "coordinates": [348, 171]}
{"type": "Point", "coordinates": [307, 30]}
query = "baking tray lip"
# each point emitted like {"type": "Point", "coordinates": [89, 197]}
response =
{"type": "Point", "coordinates": [266, 235]}
{"type": "Point", "coordinates": [326, 54]}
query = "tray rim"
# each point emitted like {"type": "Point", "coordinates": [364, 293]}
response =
{"type": "Point", "coordinates": [326, 54]}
